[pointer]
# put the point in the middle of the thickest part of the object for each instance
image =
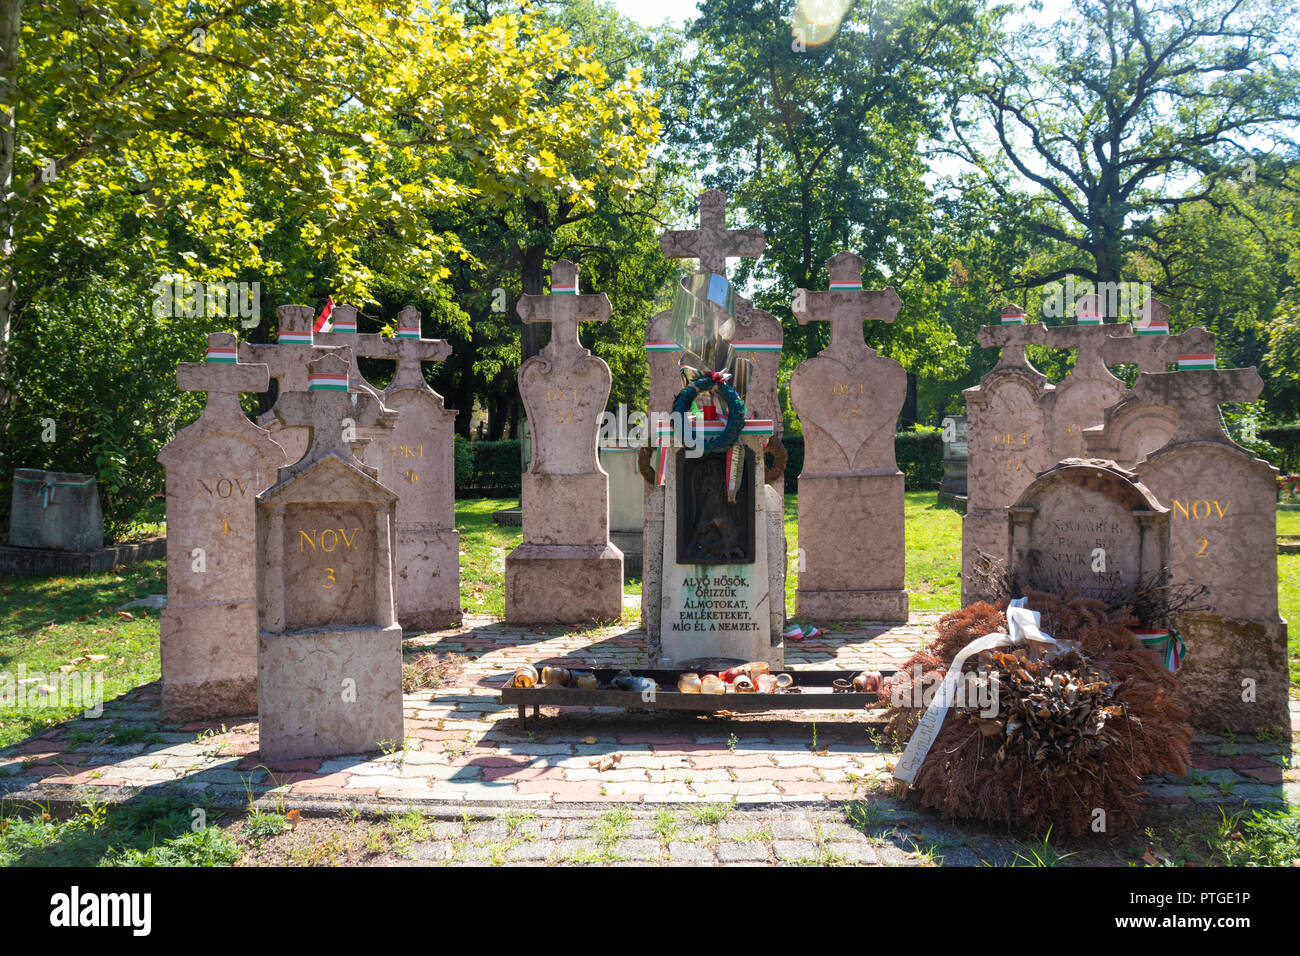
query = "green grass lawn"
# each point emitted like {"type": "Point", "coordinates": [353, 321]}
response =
{"type": "Point", "coordinates": [74, 622]}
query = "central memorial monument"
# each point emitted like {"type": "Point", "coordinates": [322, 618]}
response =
{"type": "Point", "coordinates": [714, 546]}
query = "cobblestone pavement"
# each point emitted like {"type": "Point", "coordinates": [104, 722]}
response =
{"type": "Point", "coordinates": [701, 835]}
{"type": "Point", "coordinates": [464, 748]}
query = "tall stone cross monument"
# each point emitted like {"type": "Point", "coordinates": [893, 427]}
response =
{"type": "Point", "coordinates": [850, 490]}
{"type": "Point", "coordinates": [698, 539]}
{"type": "Point", "coordinates": [215, 469]}
{"type": "Point", "coordinates": [566, 570]}
{"type": "Point", "coordinates": [416, 462]}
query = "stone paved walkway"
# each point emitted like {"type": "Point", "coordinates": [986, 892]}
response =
{"type": "Point", "coordinates": [464, 748]}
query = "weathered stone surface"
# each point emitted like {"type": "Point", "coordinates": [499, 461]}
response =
{"type": "Point", "coordinates": [330, 645]}
{"type": "Point", "coordinates": [1133, 428]}
{"type": "Point", "coordinates": [1088, 526]}
{"type": "Point", "coordinates": [1222, 502]}
{"type": "Point", "coordinates": [287, 363]}
{"type": "Point", "coordinates": [416, 461]}
{"type": "Point", "coordinates": [329, 693]}
{"type": "Point", "coordinates": [1080, 400]}
{"type": "Point", "coordinates": [57, 510]}
{"type": "Point", "coordinates": [848, 398]}
{"type": "Point", "coordinates": [565, 491]}
{"type": "Point", "coordinates": [1006, 446]}
{"type": "Point", "coordinates": [216, 467]}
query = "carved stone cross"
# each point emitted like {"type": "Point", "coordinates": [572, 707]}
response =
{"type": "Point", "coordinates": [713, 243]}
{"type": "Point", "coordinates": [409, 352]}
{"type": "Point", "coordinates": [564, 308]}
{"type": "Point", "coordinates": [329, 411]}
{"type": "Point", "coordinates": [344, 333]}
{"type": "Point", "coordinates": [1197, 394]}
{"type": "Point", "coordinates": [1089, 338]}
{"type": "Point", "coordinates": [1154, 351]}
{"type": "Point", "coordinates": [1012, 336]}
{"type": "Point", "coordinates": [287, 361]}
{"type": "Point", "coordinates": [222, 376]}
{"type": "Point", "coordinates": [847, 305]}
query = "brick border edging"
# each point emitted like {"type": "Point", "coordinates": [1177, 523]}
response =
{"type": "Point", "coordinates": [38, 562]}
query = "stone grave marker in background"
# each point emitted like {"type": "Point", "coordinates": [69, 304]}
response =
{"type": "Point", "coordinates": [216, 467]}
{"type": "Point", "coordinates": [566, 570]}
{"type": "Point", "coordinates": [1088, 526]}
{"type": "Point", "coordinates": [848, 398]}
{"type": "Point", "coordinates": [329, 653]}
{"type": "Point", "coordinates": [1006, 447]}
{"type": "Point", "coordinates": [626, 502]}
{"type": "Point", "coordinates": [1080, 400]}
{"type": "Point", "coordinates": [58, 510]}
{"type": "Point", "coordinates": [1222, 503]}
{"type": "Point", "coordinates": [416, 461]}
{"type": "Point", "coordinates": [1132, 428]}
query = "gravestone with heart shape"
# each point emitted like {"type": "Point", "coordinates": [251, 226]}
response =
{"type": "Point", "coordinates": [848, 398]}
{"type": "Point", "coordinates": [566, 570]}
{"type": "Point", "coordinates": [1005, 448]}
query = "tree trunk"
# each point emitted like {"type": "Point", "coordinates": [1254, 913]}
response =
{"type": "Point", "coordinates": [11, 18]}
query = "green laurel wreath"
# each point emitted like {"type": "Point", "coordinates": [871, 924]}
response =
{"type": "Point", "coordinates": [714, 382]}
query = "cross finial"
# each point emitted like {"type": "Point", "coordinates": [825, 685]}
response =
{"type": "Point", "coordinates": [1151, 348]}
{"type": "Point", "coordinates": [329, 411]}
{"type": "Point", "coordinates": [1197, 394]}
{"type": "Point", "coordinates": [847, 305]}
{"type": "Point", "coordinates": [713, 244]}
{"type": "Point", "coordinates": [1011, 336]}
{"type": "Point", "coordinates": [287, 361]}
{"type": "Point", "coordinates": [1088, 335]}
{"type": "Point", "coordinates": [564, 308]}
{"type": "Point", "coordinates": [406, 348]}
{"type": "Point", "coordinates": [222, 375]}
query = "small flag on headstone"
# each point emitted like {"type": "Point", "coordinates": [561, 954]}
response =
{"type": "Point", "coordinates": [320, 324]}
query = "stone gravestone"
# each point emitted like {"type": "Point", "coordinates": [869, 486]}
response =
{"type": "Point", "coordinates": [416, 461]}
{"type": "Point", "coordinates": [626, 502]}
{"type": "Point", "coordinates": [952, 487]}
{"type": "Point", "coordinates": [1087, 526]}
{"type": "Point", "coordinates": [731, 603]}
{"type": "Point", "coordinates": [566, 570]}
{"type": "Point", "coordinates": [1131, 429]}
{"type": "Point", "coordinates": [1222, 502]}
{"type": "Point", "coordinates": [329, 653]}
{"type": "Point", "coordinates": [58, 510]}
{"type": "Point", "coordinates": [848, 397]}
{"type": "Point", "coordinates": [216, 467]}
{"type": "Point", "coordinates": [1080, 400]}
{"type": "Point", "coordinates": [1006, 447]}
{"type": "Point", "coordinates": [757, 336]}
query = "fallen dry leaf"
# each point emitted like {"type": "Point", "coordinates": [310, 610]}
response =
{"type": "Point", "coordinates": [126, 615]}
{"type": "Point", "coordinates": [607, 762]}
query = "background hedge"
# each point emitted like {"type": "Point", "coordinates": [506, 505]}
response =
{"type": "Point", "coordinates": [491, 469]}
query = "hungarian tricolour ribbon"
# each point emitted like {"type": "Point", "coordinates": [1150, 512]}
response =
{"type": "Point", "coordinates": [1168, 644]}
{"type": "Point", "coordinates": [1023, 625]}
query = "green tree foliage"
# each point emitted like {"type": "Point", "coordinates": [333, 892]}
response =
{"type": "Point", "coordinates": [1103, 111]}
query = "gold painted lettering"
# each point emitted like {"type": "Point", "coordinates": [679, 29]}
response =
{"type": "Point", "coordinates": [310, 538]}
